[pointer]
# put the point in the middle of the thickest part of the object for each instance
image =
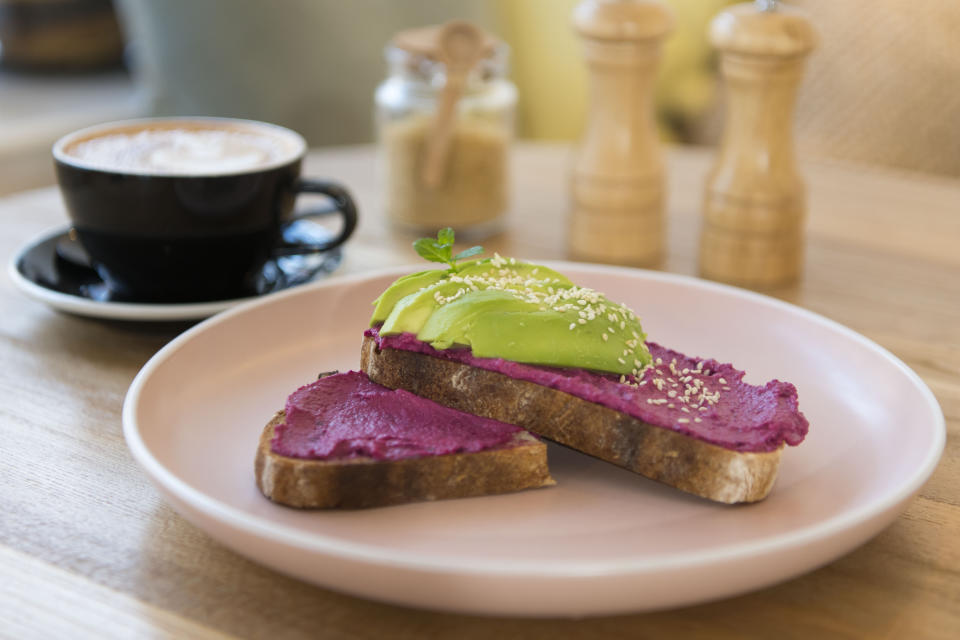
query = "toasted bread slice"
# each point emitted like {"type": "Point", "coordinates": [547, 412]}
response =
{"type": "Point", "coordinates": [363, 482]}
{"type": "Point", "coordinates": [664, 455]}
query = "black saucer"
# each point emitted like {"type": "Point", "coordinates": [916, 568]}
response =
{"type": "Point", "coordinates": [57, 263]}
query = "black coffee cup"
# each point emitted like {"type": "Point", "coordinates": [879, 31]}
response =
{"type": "Point", "coordinates": [189, 209]}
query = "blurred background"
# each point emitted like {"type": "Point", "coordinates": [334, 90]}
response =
{"type": "Point", "coordinates": [880, 88]}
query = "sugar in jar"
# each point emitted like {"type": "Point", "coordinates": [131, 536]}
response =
{"type": "Point", "coordinates": [445, 123]}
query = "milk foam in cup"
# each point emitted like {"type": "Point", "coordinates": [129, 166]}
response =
{"type": "Point", "coordinates": [179, 151]}
{"type": "Point", "coordinates": [203, 147]}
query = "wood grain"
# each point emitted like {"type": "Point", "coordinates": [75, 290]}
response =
{"type": "Point", "coordinates": [88, 549]}
{"type": "Point", "coordinates": [617, 182]}
{"type": "Point", "coordinates": [755, 202]}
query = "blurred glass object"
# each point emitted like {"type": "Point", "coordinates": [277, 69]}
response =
{"type": "Point", "coordinates": [311, 65]}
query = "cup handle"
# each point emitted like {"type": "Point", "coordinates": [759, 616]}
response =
{"type": "Point", "coordinates": [342, 204]}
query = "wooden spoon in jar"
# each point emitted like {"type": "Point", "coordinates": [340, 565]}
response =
{"type": "Point", "coordinates": [459, 48]}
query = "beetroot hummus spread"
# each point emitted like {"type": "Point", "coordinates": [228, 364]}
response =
{"type": "Point", "coordinates": [347, 416]}
{"type": "Point", "coordinates": [700, 398]}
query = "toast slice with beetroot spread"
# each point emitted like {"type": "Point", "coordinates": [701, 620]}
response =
{"type": "Point", "coordinates": [345, 442]}
{"type": "Point", "coordinates": [522, 344]}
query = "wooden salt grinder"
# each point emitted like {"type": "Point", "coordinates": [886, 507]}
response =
{"type": "Point", "coordinates": [618, 178]}
{"type": "Point", "coordinates": [754, 206]}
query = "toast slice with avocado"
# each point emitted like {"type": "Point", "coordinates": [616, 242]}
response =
{"type": "Point", "coordinates": [522, 344]}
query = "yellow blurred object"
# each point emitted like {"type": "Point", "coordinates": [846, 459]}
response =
{"type": "Point", "coordinates": [550, 73]}
{"type": "Point", "coordinates": [547, 67]}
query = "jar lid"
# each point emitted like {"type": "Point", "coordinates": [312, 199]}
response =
{"type": "Point", "coordinates": [425, 41]}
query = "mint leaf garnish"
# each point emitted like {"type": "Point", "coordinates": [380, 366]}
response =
{"type": "Point", "coordinates": [445, 236]}
{"type": "Point", "coordinates": [441, 249]}
{"type": "Point", "coordinates": [430, 250]}
{"type": "Point", "coordinates": [468, 253]}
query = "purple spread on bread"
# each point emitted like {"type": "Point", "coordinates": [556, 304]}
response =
{"type": "Point", "coordinates": [347, 416]}
{"type": "Point", "coordinates": [703, 399]}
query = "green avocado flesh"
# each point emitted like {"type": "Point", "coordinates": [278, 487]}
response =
{"type": "Point", "coordinates": [517, 311]}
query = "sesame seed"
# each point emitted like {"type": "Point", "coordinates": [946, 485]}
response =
{"type": "Point", "coordinates": [582, 321]}
{"type": "Point", "coordinates": [683, 420]}
{"type": "Point", "coordinates": [722, 381]}
{"type": "Point", "coordinates": [573, 326]}
{"type": "Point", "coordinates": [604, 336]}
{"type": "Point", "coordinates": [621, 361]}
{"type": "Point", "coordinates": [697, 420]}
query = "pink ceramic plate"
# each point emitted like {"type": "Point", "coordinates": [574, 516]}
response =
{"type": "Point", "coordinates": [603, 540]}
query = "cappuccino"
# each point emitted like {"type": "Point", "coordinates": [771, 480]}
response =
{"type": "Point", "coordinates": [183, 147]}
{"type": "Point", "coordinates": [191, 209]}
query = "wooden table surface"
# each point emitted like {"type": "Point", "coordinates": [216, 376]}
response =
{"type": "Point", "coordinates": [88, 549]}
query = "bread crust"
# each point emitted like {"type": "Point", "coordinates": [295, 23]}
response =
{"type": "Point", "coordinates": [669, 457]}
{"type": "Point", "coordinates": [363, 482]}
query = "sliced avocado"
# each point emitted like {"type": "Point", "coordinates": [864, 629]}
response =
{"type": "Point", "coordinates": [452, 323]}
{"type": "Point", "coordinates": [496, 324]}
{"type": "Point", "coordinates": [402, 287]}
{"type": "Point", "coordinates": [409, 314]}
{"type": "Point", "coordinates": [517, 311]}
{"type": "Point", "coordinates": [410, 311]}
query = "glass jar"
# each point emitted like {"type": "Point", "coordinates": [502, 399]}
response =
{"type": "Point", "coordinates": [472, 191]}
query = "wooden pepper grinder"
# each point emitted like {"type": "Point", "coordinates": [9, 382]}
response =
{"type": "Point", "coordinates": [754, 207]}
{"type": "Point", "coordinates": [618, 178]}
